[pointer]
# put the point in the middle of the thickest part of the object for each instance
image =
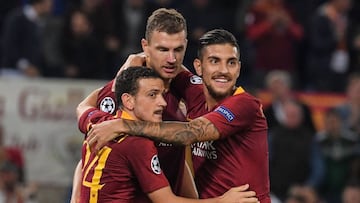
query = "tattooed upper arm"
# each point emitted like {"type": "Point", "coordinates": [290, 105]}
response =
{"type": "Point", "coordinates": [203, 129]}
{"type": "Point", "coordinates": [200, 129]}
{"type": "Point", "coordinates": [181, 133]}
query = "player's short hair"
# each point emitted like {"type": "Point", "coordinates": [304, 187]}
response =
{"type": "Point", "coordinates": [128, 80]}
{"type": "Point", "coordinates": [216, 36]}
{"type": "Point", "coordinates": [165, 20]}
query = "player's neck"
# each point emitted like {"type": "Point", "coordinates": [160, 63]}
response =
{"type": "Point", "coordinates": [211, 102]}
{"type": "Point", "coordinates": [167, 83]}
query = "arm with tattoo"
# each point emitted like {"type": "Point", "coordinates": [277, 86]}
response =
{"type": "Point", "coordinates": [182, 133]}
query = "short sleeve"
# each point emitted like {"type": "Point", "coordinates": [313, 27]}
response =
{"type": "Point", "coordinates": [235, 114]}
{"type": "Point", "coordinates": [92, 116]}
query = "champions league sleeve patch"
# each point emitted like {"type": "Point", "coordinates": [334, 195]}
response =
{"type": "Point", "coordinates": [107, 105]}
{"type": "Point", "coordinates": [225, 112]}
{"type": "Point", "coordinates": [155, 165]}
{"type": "Point", "coordinates": [91, 113]}
{"type": "Point", "coordinates": [196, 80]}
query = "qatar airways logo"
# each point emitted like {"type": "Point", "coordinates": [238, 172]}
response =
{"type": "Point", "coordinates": [204, 149]}
{"type": "Point", "coordinates": [225, 112]}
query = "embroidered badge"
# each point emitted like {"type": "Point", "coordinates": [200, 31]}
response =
{"type": "Point", "coordinates": [225, 112]}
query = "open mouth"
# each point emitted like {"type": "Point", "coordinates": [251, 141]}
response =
{"type": "Point", "coordinates": [158, 112]}
{"type": "Point", "coordinates": [169, 69]}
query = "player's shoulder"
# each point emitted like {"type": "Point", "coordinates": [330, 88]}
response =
{"type": "Point", "coordinates": [242, 97]}
{"type": "Point", "coordinates": [187, 76]}
{"type": "Point", "coordinates": [106, 99]}
{"type": "Point", "coordinates": [107, 88]}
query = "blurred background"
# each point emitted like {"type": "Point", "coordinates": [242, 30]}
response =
{"type": "Point", "coordinates": [300, 57]}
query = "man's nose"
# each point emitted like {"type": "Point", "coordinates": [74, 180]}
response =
{"type": "Point", "coordinates": [223, 68]}
{"type": "Point", "coordinates": [171, 57]}
{"type": "Point", "coordinates": [162, 101]}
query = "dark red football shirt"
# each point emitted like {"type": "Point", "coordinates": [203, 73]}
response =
{"type": "Point", "coordinates": [124, 170]}
{"type": "Point", "coordinates": [241, 154]}
{"type": "Point", "coordinates": [171, 157]}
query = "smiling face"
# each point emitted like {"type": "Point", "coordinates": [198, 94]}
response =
{"type": "Point", "coordinates": [148, 102]}
{"type": "Point", "coordinates": [219, 67]}
{"type": "Point", "coordinates": [165, 52]}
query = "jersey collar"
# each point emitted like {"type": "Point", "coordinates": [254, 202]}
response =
{"type": "Point", "coordinates": [239, 90]}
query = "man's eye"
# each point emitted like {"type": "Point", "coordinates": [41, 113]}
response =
{"type": "Point", "coordinates": [152, 94]}
{"type": "Point", "coordinates": [179, 49]}
{"type": "Point", "coordinates": [232, 63]}
{"type": "Point", "coordinates": [213, 61]}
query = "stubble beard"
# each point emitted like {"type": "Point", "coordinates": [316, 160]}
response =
{"type": "Point", "coordinates": [216, 95]}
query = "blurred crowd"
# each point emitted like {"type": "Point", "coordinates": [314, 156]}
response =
{"type": "Point", "coordinates": [316, 41]}
{"type": "Point", "coordinates": [286, 46]}
{"type": "Point", "coordinates": [307, 164]}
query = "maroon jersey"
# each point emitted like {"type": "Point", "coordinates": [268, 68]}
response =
{"type": "Point", "coordinates": [172, 157]}
{"type": "Point", "coordinates": [124, 170]}
{"type": "Point", "coordinates": [241, 154]}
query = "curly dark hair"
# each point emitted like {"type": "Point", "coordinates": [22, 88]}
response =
{"type": "Point", "coordinates": [128, 80]}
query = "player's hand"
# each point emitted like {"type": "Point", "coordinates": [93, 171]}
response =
{"type": "Point", "coordinates": [239, 195]}
{"type": "Point", "coordinates": [138, 59]}
{"type": "Point", "coordinates": [103, 132]}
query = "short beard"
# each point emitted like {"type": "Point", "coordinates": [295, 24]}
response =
{"type": "Point", "coordinates": [218, 96]}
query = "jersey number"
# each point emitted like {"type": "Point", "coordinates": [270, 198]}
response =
{"type": "Point", "coordinates": [100, 159]}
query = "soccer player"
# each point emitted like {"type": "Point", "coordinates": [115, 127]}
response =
{"type": "Point", "coordinates": [127, 169]}
{"type": "Point", "coordinates": [164, 48]}
{"type": "Point", "coordinates": [228, 132]}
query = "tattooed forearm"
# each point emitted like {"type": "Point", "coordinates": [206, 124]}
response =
{"type": "Point", "coordinates": [182, 133]}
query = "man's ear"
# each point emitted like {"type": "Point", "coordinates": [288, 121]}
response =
{"type": "Point", "coordinates": [128, 101]}
{"type": "Point", "coordinates": [197, 66]}
{"type": "Point", "coordinates": [144, 45]}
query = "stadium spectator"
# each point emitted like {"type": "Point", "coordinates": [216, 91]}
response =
{"type": "Point", "coordinates": [83, 53]}
{"type": "Point", "coordinates": [350, 110]}
{"type": "Point", "coordinates": [337, 145]}
{"type": "Point", "coordinates": [279, 84]}
{"type": "Point", "coordinates": [23, 41]}
{"type": "Point", "coordinates": [292, 146]}
{"type": "Point", "coordinates": [328, 54]}
{"type": "Point", "coordinates": [273, 32]}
